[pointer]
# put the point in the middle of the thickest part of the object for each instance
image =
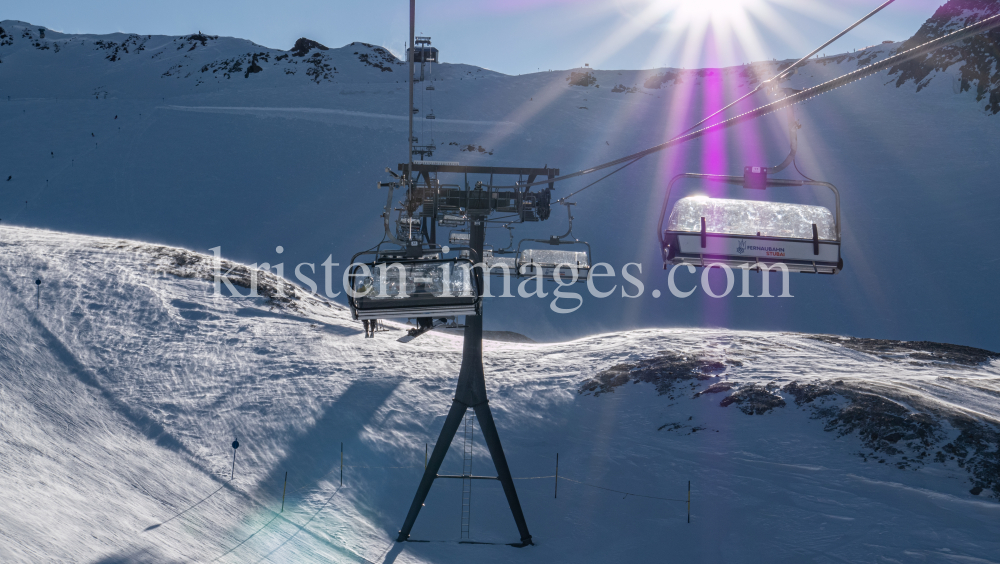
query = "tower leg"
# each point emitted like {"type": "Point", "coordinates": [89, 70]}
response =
{"type": "Point", "coordinates": [433, 465]}
{"type": "Point", "coordinates": [470, 393]}
{"type": "Point", "coordinates": [489, 430]}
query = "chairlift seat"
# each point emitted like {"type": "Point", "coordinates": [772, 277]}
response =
{"type": "Point", "coordinates": [453, 221]}
{"type": "Point", "coordinates": [459, 238]}
{"type": "Point", "coordinates": [530, 262]}
{"type": "Point", "coordinates": [702, 230]}
{"type": "Point", "coordinates": [427, 288]}
{"type": "Point", "coordinates": [496, 263]}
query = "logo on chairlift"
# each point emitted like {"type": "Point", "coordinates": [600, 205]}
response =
{"type": "Point", "coordinates": [741, 246]}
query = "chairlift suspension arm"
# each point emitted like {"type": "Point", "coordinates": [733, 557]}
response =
{"type": "Point", "coordinates": [569, 212]}
{"type": "Point", "coordinates": [387, 212]}
{"type": "Point", "coordinates": [793, 141]}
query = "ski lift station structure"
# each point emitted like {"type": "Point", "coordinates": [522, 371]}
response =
{"type": "Point", "coordinates": [423, 53]}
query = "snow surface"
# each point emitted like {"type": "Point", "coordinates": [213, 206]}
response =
{"type": "Point", "coordinates": [125, 379]}
{"type": "Point", "coordinates": [173, 140]}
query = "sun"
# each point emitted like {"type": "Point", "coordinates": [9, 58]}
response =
{"type": "Point", "coordinates": [714, 10]}
{"type": "Point", "coordinates": [683, 14]}
{"type": "Point", "coordinates": [711, 32]}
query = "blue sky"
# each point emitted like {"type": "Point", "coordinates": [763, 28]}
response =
{"type": "Point", "coordinates": [512, 36]}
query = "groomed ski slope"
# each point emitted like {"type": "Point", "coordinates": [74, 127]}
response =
{"type": "Point", "coordinates": [124, 381]}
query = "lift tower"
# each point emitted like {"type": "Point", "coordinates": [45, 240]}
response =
{"type": "Point", "coordinates": [426, 198]}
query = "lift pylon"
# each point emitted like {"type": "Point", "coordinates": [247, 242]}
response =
{"type": "Point", "coordinates": [470, 394]}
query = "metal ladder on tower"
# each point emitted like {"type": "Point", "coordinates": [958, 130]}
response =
{"type": "Point", "coordinates": [470, 425]}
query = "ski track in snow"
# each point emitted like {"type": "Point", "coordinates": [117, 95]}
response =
{"type": "Point", "coordinates": [124, 385]}
{"type": "Point", "coordinates": [312, 113]}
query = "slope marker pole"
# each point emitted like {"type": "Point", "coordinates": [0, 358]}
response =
{"type": "Point", "coordinates": [557, 476]}
{"type": "Point", "coordinates": [283, 492]}
{"type": "Point", "coordinates": [342, 464]}
{"type": "Point", "coordinates": [236, 445]}
{"type": "Point", "coordinates": [689, 501]}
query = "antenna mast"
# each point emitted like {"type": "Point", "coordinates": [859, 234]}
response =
{"type": "Point", "coordinates": [410, 54]}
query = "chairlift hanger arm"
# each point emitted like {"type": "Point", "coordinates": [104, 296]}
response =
{"type": "Point", "coordinates": [569, 212]}
{"type": "Point", "coordinates": [387, 211]}
{"type": "Point", "coordinates": [793, 142]}
{"type": "Point", "coordinates": [918, 51]}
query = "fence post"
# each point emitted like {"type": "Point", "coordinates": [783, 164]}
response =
{"type": "Point", "coordinates": [341, 464]}
{"type": "Point", "coordinates": [557, 476]}
{"type": "Point", "coordinates": [689, 501]}
{"type": "Point", "coordinates": [285, 487]}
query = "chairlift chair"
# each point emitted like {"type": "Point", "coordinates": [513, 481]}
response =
{"type": "Point", "coordinates": [408, 228]}
{"type": "Point", "coordinates": [701, 231]}
{"type": "Point", "coordinates": [495, 261]}
{"type": "Point", "coordinates": [424, 286]}
{"type": "Point", "coordinates": [462, 238]}
{"type": "Point", "coordinates": [448, 220]}
{"type": "Point", "coordinates": [430, 115]}
{"type": "Point", "coordinates": [530, 262]}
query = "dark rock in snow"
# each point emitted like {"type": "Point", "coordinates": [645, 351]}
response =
{"type": "Point", "coordinates": [656, 81]}
{"type": "Point", "coordinates": [581, 79]}
{"type": "Point", "coordinates": [806, 393]}
{"type": "Point", "coordinates": [904, 431]}
{"type": "Point", "coordinates": [253, 68]}
{"type": "Point", "coordinates": [754, 399]}
{"type": "Point", "coordinates": [303, 46]}
{"type": "Point", "coordinates": [716, 388]}
{"type": "Point", "coordinates": [661, 371]}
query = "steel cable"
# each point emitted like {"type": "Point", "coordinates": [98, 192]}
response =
{"type": "Point", "coordinates": [918, 51]}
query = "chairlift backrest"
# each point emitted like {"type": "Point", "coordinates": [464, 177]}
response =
{"type": "Point", "coordinates": [752, 234]}
{"type": "Point", "coordinates": [414, 288]}
{"type": "Point", "coordinates": [495, 264]}
{"type": "Point", "coordinates": [460, 238]}
{"type": "Point", "coordinates": [408, 228]}
{"type": "Point", "coordinates": [529, 262]}
{"type": "Point", "coordinates": [547, 262]}
{"type": "Point", "coordinates": [453, 221]}
{"type": "Point", "coordinates": [751, 217]}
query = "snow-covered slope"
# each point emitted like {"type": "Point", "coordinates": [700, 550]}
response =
{"type": "Point", "coordinates": [124, 381]}
{"type": "Point", "coordinates": [976, 60]}
{"type": "Point", "coordinates": [174, 140]}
